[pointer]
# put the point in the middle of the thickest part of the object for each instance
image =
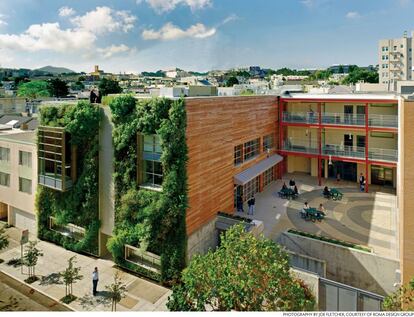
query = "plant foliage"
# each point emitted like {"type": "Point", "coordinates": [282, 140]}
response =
{"type": "Point", "coordinates": [153, 221]}
{"type": "Point", "coordinates": [78, 205]}
{"type": "Point", "coordinates": [402, 299]}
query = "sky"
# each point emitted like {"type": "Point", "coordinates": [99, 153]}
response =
{"type": "Point", "coordinates": [200, 35]}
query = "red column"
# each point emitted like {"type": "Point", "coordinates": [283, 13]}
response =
{"type": "Point", "coordinates": [320, 144]}
{"type": "Point", "coordinates": [366, 148]}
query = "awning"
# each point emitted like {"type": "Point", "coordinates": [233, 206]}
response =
{"type": "Point", "coordinates": [257, 169]}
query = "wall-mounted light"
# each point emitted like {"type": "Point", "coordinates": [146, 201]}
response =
{"type": "Point", "coordinates": [330, 160]}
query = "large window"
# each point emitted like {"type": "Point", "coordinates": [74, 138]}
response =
{"type": "Point", "coordinates": [4, 154]}
{"type": "Point", "coordinates": [152, 170]}
{"type": "Point", "coordinates": [152, 144]}
{"type": "Point", "coordinates": [238, 154]}
{"type": "Point", "coordinates": [251, 188]}
{"type": "Point", "coordinates": [153, 173]}
{"type": "Point", "coordinates": [268, 176]}
{"type": "Point", "coordinates": [251, 149]}
{"type": "Point", "coordinates": [268, 142]}
{"type": "Point", "coordinates": [25, 158]}
{"type": "Point", "coordinates": [25, 185]}
{"type": "Point", "coordinates": [4, 179]}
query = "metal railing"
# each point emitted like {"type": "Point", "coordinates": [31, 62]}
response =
{"type": "Point", "coordinates": [379, 120]}
{"type": "Point", "coordinates": [343, 119]}
{"type": "Point", "coordinates": [343, 151]}
{"type": "Point", "coordinates": [383, 155]}
{"type": "Point", "coordinates": [300, 117]}
{"type": "Point", "coordinates": [301, 145]}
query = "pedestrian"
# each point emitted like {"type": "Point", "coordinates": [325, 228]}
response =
{"type": "Point", "coordinates": [361, 182]}
{"type": "Point", "coordinates": [251, 204]}
{"type": "Point", "coordinates": [95, 279]}
{"type": "Point", "coordinates": [239, 203]}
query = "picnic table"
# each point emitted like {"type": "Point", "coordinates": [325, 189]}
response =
{"type": "Point", "coordinates": [336, 194]}
{"type": "Point", "coordinates": [287, 193]}
{"type": "Point", "coordinates": [312, 214]}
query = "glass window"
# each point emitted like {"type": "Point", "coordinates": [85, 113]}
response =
{"type": "Point", "coordinates": [251, 188]}
{"type": "Point", "coordinates": [395, 47]}
{"type": "Point", "coordinates": [25, 185]}
{"type": "Point", "coordinates": [268, 176]}
{"type": "Point", "coordinates": [268, 142]}
{"type": "Point", "coordinates": [238, 157]}
{"type": "Point", "coordinates": [25, 158]}
{"type": "Point", "coordinates": [153, 173]}
{"type": "Point", "coordinates": [4, 179]}
{"type": "Point", "coordinates": [4, 154]}
{"type": "Point", "coordinates": [251, 149]}
{"type": "Point", "coordinates": [152, 144]}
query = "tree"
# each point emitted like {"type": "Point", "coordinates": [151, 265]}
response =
{"type": "Point", "coordinates": [70, 275]}
{"type": "Point", "coordinates": [4, 239]}
{"type": "Point", "coordinates": [34, 89]}
{"type": "Point", "coordinates": [117, 290]}
{"type": "Point", "coordinates": [243, 274]}
{"type": "Point", "coordinates": [232, 81]}
{"type": "Point", "coordinates": [109, 86]}
{"type": "Point", "coordinates": [58, 88]}
{"type": "Point", "coordinates": [30, 258]}
{"type": "Point", "coordinates": [77, 86]}
{"type": "Point", "coordinates": [402, 299]}
{"type": "Point", "coordinates": [357, 74]}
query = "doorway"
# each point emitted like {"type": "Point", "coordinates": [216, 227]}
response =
{"type": "Point", "coordinates": [361, 115]}
{"type": "Point", "coordinates": [348, 112]}
{"type": "Point", "coordinates": [383, 176]}
{"type": "Point", "coordinates": [346, 170]}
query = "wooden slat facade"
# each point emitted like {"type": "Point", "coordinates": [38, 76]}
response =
{"type": "Point", "coordinates": [214, 127]}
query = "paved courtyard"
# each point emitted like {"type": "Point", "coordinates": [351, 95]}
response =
{"type": "Point", "coordinates": [367, 219]}
{"type": "Point", "coordinates": [142, 295]}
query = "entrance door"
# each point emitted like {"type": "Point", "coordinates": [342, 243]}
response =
{"type": "Point", "coordinates": [348, 113]}
{"type": "Point", "coordinates": [383, 176]}
{"type": "Point", "coordinates": [346, 170]}
{"type": "Point", "coordinates": [238, 191]}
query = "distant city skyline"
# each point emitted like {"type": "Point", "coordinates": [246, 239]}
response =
{"type": "Point", "coordinates": [199, 35]}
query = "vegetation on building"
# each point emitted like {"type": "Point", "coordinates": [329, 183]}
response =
{"type": "Point", "coordinates": [80, 204]}
{"type": "Point", "coordinates": [153, 221]}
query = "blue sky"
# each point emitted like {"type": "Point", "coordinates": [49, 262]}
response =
{"type": "Point", "coordinates": [138, 35]}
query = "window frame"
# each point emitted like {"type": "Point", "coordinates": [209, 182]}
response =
{"type": "Point", "coordinates": [25, 158]}
{"type": "Point", "coordinates": [5, 176]}
{"type": "Point", "coordinates": [4, 151]}
{"type": "Point", "coordinates": [21, 179]}
{"type": "Point", "coordinates": [238, 155]}
{"type": "Point", "coordinates": [272, 143]}
{"type": "Point", "coordinates": [251, 149]}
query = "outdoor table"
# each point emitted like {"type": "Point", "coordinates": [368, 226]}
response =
{"type": "Point", "coordinates": [287, 192]}
{"type": "Point", "coordinates": [336, 194]}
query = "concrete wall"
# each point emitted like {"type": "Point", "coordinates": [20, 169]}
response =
{"type": "Point", "coordinates": [359, 269]}
{"type": "Point", "coordinates": [202, 240]}
{"type": "Point", "coordinates": [311, 280]}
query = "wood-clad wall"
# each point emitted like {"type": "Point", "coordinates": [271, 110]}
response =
{"type": "Point", "coordinates": [214, 126]}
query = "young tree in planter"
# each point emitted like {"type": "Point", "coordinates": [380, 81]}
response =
{"type": "Point", "coordinates": [117, 290]}
{"type": "Point", "coordinates": [243, 274]}
{"type": "Point", "coordinates": [402, 299]}
{"type": "Point", "coordinates": [30, 258]}
{"type": "Point", "coordinates": [70, 275]}
{"type": "Point", "coordinates": [4, 239]}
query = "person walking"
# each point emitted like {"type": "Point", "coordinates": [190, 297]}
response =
{"type": "Point", "coordinates": [361, 182]}
{"type": "Point", "coordinates": [95, 279]}
{"type": "Point", "coordinates": [239, 203]}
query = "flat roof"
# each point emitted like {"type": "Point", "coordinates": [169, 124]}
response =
{"type": "Point", "coordinates": [356, 96]}
{"type": "Point", "coordinates": [25, 137]}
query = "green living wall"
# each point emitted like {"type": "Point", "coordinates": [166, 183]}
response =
{"type": "Point", "coordinates": [79, 204]}
{"type": "Point", "coordinates": [153, 221]}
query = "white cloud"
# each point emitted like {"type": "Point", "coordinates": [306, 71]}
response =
{"type": "Point", "coordinates": [66, 12]}
{"type": "Point", "coordinates": [104, 20]}
{"type": "Point", "coordinates": [352, 15]}
{"type": "Point", "coordinates": [171, 32]}
{"type": "Point", "coordinates": [230, 18]}
{"type": "Point", "coordinates": [168, 5]}
{"type": "Point", "coordinates": [112, 50]}
{"type": "Point", "coordinates": [2, 21]}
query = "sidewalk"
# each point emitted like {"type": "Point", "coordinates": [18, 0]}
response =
{"type": "Point", "coordinates": [142, 295]}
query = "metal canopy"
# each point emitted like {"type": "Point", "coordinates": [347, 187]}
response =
{"type": "Point", "coordinates": [257, 169]}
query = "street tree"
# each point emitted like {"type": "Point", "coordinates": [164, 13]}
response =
{"type": "Point", "coordinates": [4, 239]}
{"type": "Point", "coordinates": [34, 89]}
{"type": "Point", "coordinates": [117, 290]}
{"type": "Point", "coordinates": [58, 88]}
{"type": "Point", "coordinates": [109, 86]}
{"type": "Point", "coordinates": [232, 81]}
{"type": "Point", "coordinates": [30, 258]}
{"type": "Point", "coordinates": [402, 299]}
{"type": "Point", "coordinates": [70, 275]}
{"type": "Point", "coordinates": [244, 273]}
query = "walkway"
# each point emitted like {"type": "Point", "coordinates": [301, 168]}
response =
{"type": "Point", "coordinates": [367, 219]}
{"type": "Point", "coordinates": [142, 295]}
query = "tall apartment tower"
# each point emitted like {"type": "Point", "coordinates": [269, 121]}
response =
{"type": "Point", "coordinates": [395, 60]}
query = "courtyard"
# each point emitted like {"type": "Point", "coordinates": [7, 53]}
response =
{"type": "Point", "coordinates": [366, 219]}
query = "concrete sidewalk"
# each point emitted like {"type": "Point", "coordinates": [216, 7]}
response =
{"type": "Point", "coordinates": [142, 295]}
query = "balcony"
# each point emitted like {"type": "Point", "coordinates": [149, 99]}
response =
{"type": "Point", "coordinates": [343, 119]}
{"type": "Point", "coordinates": [145, 259]}
{"type": "Point", "coordinates": [344, 151]}
{"type": "Point", "coordinates": [55, 181]}
{"type": "Point", "coordinates": [379, 120]}
{"type": "Point", "coordinates": [386, 155]}
{"type": "Point", "coordinates": [300, 146]}
{"type": "Point", "coordinates": [300, 117]}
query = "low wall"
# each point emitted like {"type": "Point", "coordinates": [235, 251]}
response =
{"type": "Point", "coordinates": [349, 266]}
{"type": "Point", "coordinates": [202, 240]}
{"type": "Point", "coordinates": [311, 280]}
{"type": "Point", "coordinates": [36, 295]}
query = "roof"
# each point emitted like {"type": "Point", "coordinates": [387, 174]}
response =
{"type": "Point", "coordinates": [356, 97]}
{"type": "Point", "coordinates": [257, 169]}
{"type": "Point", "coordinates": [14, 121]}
{"type": "Point", "coordinates": [26, 137]}
{"type": "Point", "coordinates": [33, 124]}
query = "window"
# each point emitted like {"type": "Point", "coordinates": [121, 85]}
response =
{"type": "Point", "coordinates": [25, 158]}
{"type": "Point", "coordinates": [395, 47]}
{"type": "Point", "coordinates": [238, 156]}
{"type": "Point", "coordinates": [152, 170]}
{"type": "Point", "coordinates": [402, 46]}
{"type": "Point", "coordinates": [4, 179]}
{"type": "Point", "coordinates": [152, 144]}
{"type": "Point", "coordinates": [25, 185]}
{"type": "Point", "coordinates": [251, 149]}
{"type": "Point", "coordinates": [4, 154]}
{"type": "Point", "coordinates": [268, 176]}
{"type": "Point", "coordinates": [153, 173]}
{"type": "Point", "coordinates": [251, 188]}
{"type": "Point", "coordinates": [268, 142]}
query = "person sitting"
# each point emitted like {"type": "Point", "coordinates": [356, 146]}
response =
{"type": "Point", "coordinates": [295, 190]}
{"type": "Point", "coordinates": [292, 183]}
{"type": "Point", "coordinates": [321, 212]}
{"type": "Point", "coordinates": [284, 187]}
{"type": "Point", "coordinates": [326, 192]}
{"type": "Point", "coordinates": [304, 210]}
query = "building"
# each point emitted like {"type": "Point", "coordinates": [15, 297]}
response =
{"type": "Point", "coordinates": [395, 60]}
{"type": "Point", "coordinates": [12, 105]}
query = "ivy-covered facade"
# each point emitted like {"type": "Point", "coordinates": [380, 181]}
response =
{"type": "Point", "coordinates": [150, 156]}
{"type": "Point", "coordinates": [67, 198]}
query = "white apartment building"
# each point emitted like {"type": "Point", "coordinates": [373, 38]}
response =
{"type": "Point", "coordinates": [395, 60]}
{"type": "Point", "coordinates": [18, 179]}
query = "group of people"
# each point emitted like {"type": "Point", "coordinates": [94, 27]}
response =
{"type": "Point", "coordinates": [320, 211]}
{"type": "Point", "coordinates": [250, 203]}
{"type": "Point", "coordinates": [292, 185]}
